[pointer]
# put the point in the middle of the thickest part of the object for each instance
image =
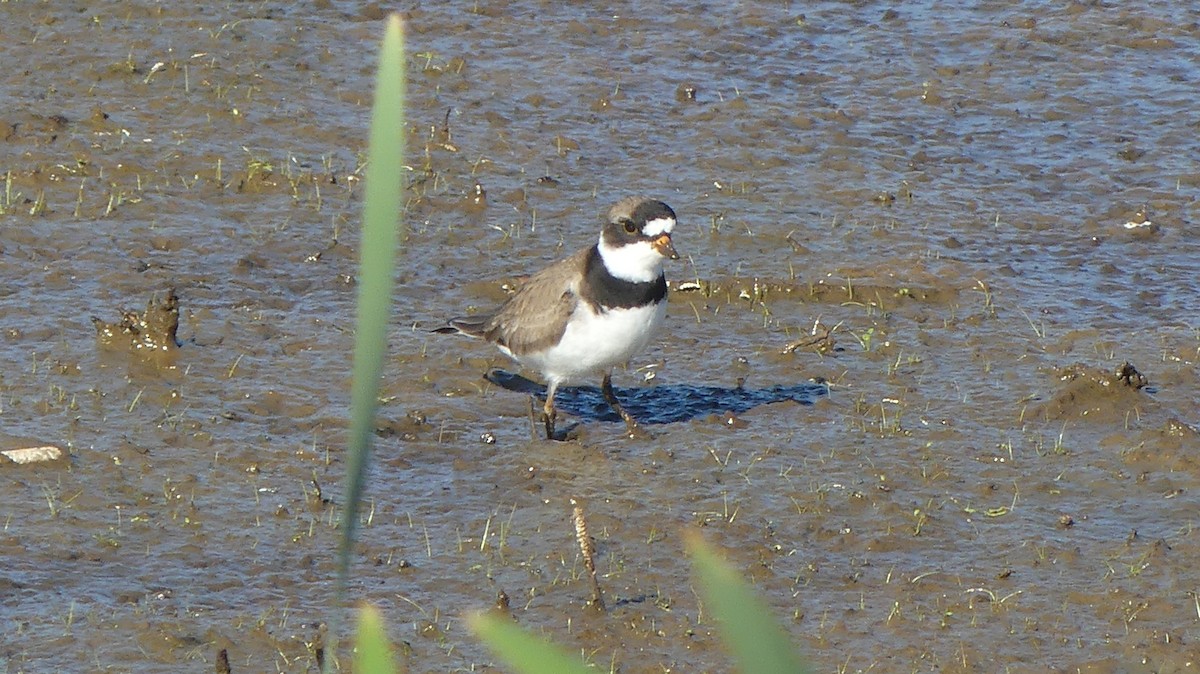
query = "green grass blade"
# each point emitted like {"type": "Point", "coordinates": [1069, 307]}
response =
{"type": "Point", "coordinates": [381, 211]}
{"type": "Point", "coordinates": [373, 654]}
{"type": "Point", "coordinates": [384, 192]}
{"type": "Point", "coordinates": [759, 645]}
{"type": "Point", "coordinates": [522, 651]}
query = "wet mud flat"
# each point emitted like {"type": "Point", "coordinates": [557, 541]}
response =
{"type": "Point", "coordinates": [929, 375]}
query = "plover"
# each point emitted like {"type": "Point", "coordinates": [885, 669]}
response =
{"type": "Point", "coordinates": [591, 311]}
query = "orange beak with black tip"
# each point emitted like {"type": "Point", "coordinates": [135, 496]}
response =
{"type": "Point", "coordinates": [665, 248]}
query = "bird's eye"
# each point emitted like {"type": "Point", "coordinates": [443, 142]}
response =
{"type": "Point", "coordinates": [631, 226]}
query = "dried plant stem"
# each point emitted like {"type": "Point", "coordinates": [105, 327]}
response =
{"type": "Point", "coordinates": [588, 550]}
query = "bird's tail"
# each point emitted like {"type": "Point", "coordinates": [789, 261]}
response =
{"type": "Point", "coordinates": [471, 326]}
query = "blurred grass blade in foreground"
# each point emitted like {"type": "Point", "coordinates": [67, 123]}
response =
{"type": "Point", "coordinates": [522, 651]}
{"type": "Point", "coordinates": [377, 252]}
{"type": "Point", "coordinates": [373, 653]}
{"type": "Point", "coordinates": [758, 643]}
{"type": "Point", "coordinates": [383, 200]}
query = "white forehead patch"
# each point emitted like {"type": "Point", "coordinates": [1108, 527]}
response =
{"type": "Point", "coordinates": [658, 227]}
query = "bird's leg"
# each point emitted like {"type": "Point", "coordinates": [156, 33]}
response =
{"type": "Point", "coordinates": [548, 410]}
{"type": "Point", "coordinates": [607, 390]}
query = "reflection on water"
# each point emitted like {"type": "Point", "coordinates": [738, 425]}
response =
{"type": "Point", "coordinates": [663, 404]}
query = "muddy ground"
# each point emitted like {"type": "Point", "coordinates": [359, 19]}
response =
{"type": "Point", "coordinates": [929, 374]}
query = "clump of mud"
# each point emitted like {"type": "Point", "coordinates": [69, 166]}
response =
{"type": "Point", "coordinates": [1088, 392]}
{"type": "Point", "coordinates": [149, 331]}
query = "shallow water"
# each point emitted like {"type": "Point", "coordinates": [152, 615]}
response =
{"type": "Point", "coordinates": [940, 194]}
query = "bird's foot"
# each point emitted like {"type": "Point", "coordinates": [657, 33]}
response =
{"type": "Point", "coordinates": [549, 418]}
{"type": "Point", "coordinates": [632, 427]}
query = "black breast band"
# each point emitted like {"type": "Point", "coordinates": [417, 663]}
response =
{"type": "Point", "coordinates": [602, 289]}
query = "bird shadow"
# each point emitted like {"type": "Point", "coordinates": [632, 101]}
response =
{"type": "Point", "coordinates": [663, 404]}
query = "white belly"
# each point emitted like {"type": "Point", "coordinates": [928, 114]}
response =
{"type": "Point", "coordinates": [596, 342]}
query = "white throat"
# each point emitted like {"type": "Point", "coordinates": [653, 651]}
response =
{"type": "Point", "coordinates": [635, 262]}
